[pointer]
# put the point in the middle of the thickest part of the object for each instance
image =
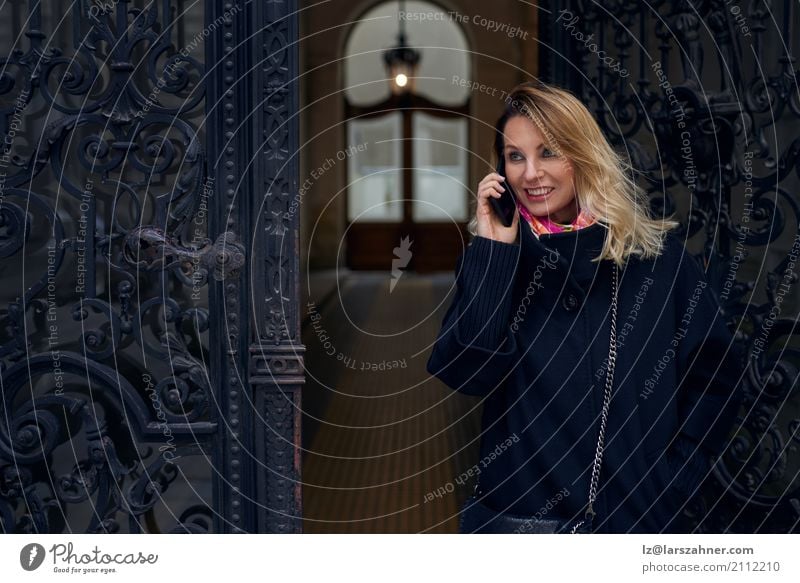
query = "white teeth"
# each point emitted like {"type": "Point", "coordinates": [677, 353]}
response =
{"type": "Point", "coordinates": [538, 191]}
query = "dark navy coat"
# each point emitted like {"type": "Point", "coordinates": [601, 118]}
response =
{"type": "Point", "coordinates": [528, 330]}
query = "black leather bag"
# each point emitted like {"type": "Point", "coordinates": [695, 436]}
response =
{"type": "Point", "coordinates": [477, 518]}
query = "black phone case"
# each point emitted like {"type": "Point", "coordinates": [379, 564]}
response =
{"type": "Point", "coordinates": [505, 206]}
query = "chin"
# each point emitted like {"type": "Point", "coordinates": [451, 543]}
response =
{"type": "Point", "coordinates": [541, 210]}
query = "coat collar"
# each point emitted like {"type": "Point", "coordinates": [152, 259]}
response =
{"type": "Point", "coordinates": [589, 241]}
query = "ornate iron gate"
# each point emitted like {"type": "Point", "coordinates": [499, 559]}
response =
{"type": "Point", "coordinates": [703, 97]}
{"type": "Point", "coordinates": [151, 360]}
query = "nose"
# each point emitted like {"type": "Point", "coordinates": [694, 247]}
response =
{"type": "Point", "coordinates": [532, 172]}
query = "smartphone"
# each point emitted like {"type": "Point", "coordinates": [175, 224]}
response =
{"type": "Point", "coordinates": [506, 205]}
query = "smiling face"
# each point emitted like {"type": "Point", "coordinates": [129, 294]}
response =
{"type": "Point", "coordinates": [543, 182]}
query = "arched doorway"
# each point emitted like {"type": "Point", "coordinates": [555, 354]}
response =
{"type": "Point", "coordinates": [408, 150]}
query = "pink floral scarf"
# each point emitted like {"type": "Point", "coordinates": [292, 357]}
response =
{"type": "Point", "coordinates": [543, 225]}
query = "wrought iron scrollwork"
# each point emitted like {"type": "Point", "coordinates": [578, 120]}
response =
{"type": "Point", "coordinates": [709, 124]}
{"type": "Point", "coordinates": [150, 249]}
{"type": "Point", "coordinates": [104, 359]}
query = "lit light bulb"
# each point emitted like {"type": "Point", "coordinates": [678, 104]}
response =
{"type": "Point", "coordinates": [401, 80]}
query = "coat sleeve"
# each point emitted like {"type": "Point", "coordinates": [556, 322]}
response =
{"type": "Point", "coordinates": [475, 348]}
{"type": "Point", "coordinates": [710, 366]}
{"type": "Point", "coordinates": [688, 463]}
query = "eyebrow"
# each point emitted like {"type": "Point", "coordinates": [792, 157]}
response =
{"type": "Point", "coordinates": [512, 146]}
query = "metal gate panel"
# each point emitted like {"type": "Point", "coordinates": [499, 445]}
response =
{"type": "Point", "coordinates": [147, 147]}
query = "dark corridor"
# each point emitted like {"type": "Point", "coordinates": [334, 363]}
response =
{"type": "Point", "coordinates": [383, 441]}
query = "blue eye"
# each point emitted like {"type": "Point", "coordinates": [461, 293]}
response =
{"type": "Point", "coordinates": [512, 155]}
{"type": "Point", "coordinates": [547, 153]}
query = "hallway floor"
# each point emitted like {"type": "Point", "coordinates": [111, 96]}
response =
{"type": "Point", "coordinates": [379, 443]}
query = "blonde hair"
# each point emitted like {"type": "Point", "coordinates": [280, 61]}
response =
{"type": "Point", "coordinates": [603, 186]}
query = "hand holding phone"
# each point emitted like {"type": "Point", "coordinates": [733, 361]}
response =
{"type": "Point", "coordinates": [506, 205]}
{"type": "Point", "coordinates": [497, 214]}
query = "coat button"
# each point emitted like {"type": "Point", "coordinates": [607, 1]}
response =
{"type": "Point", "coordinates": [570, 302]}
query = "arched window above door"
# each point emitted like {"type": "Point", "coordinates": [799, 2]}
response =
{"type": "Point", "coordinates": [430, 30]}
{"type": "Point", "coordinates": [407, 169]}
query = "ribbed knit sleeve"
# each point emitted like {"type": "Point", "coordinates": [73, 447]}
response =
{"type": "Point", "coordinates": [710, 363]}
{"type": "Point", "coordinates": [688, 463]}
{"type": "Point", "coordinates": [487, 278]}
{"type": "Point", "coordinates": [475, 349]}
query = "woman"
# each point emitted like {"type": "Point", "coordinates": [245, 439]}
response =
{"type": "Point", "coordinates": [529, 331]}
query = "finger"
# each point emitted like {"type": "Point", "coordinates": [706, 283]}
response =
{"type": "Point", "coordinates": [494, 186]}
{"type": "Point", "coordinates": [489, 178]}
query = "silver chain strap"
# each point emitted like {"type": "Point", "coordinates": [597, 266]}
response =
{"type": "Point", "coordinates": [612, 359]}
